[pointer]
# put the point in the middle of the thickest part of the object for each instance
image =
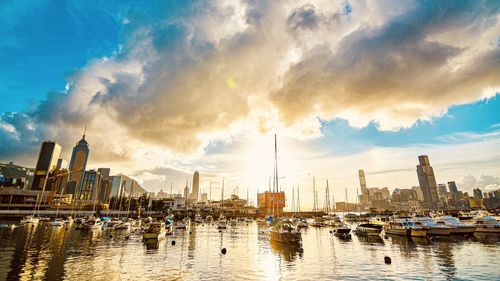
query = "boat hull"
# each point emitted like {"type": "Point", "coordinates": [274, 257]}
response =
{"type": "Point", "coordinates": [368, 231]}
{"type": "Point", "coordinates": [439, 231]}
{"type": "Point", "coordinates": [286, 237]}
{"type": "Point", "coordinates": [488, 229]}
{"type": "Point", "coordinates": [462, 230]}
{"type": "Point", "coordinates": [397, 231]}
{"type": "Point", "coordinates": [418, 232]}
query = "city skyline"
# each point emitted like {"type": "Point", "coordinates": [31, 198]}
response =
{"type": "Point", "coordinates": [164, 100]}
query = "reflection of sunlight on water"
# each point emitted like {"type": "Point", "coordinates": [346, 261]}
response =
{"type": "Point", "coordinates": [49, 253]}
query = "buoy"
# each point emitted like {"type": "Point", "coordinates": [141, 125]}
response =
{"type": "Point", "coordinates": [386, 237]}
{"type": "Point", "coordinates": [387, 260]}
{"type": "Point", "coordinates": [190, 232]}
{"type": "Point", "coordinates": [110, 236]}
{"type": "Point", "coordinates": [127, 237]}
{"type": "Point", "coordinates": [223, 251]}
{"type": "Point", "coordinates": [173, 242]}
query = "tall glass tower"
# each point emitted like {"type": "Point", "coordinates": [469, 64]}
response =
{"type": "Point", "coordinates": [79, 158]}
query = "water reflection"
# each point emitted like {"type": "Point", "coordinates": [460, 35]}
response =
{"type": "Point", "coordinates": [370, 240]}
{"type": "Point", "coordinates": [44, 252]}
{"type": "Point", "coordinates": [288, 252]}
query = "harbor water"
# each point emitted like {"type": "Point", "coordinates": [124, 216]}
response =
{"type": "Point", "coordinates": [44, 252]}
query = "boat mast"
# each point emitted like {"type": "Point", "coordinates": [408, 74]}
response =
{"type": "Point", "coordinates": [222, 196]}
{"type": "Point", "coordinates": [298, 199]}
{"type": "Point", "coordinates": [327, 198]}
{"type": "Point", "coordinates": [293, 201]}
{"type": "Point", "coordinates": [314, 195]}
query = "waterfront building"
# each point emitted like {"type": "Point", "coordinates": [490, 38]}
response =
{"type": "Point", "coordinates": [427, 181]}
{"type": "Point", "coordinates": [271, 202]}
{"type": "Point", "coordinates": [78, 162]}
{"type": "Point", "coordinates": [90, 185]}
{"type": "Point", "coordinates": [46, 164]}
{"type": "Point", "coordinates": [116, 186]}
{"type": "Point", "coordinates": [196, 188]}
{"type": "Point", "coordinates": [12, 175]}
{"type": "Point", "coordinates": [104, 172]}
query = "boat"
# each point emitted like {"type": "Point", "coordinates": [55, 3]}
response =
{"type": "Point", "coordinates": [405, 227]}
{"type": "Point", "coordinates": [30, 220]}
{"type": "Point", "coordinates": [342, 231]}
{"type": "Point", "coordinates": [332, 221]}
{"type": "Point", "coordinates": [222, 223]}
{"type": "Point", "coordinates": [183, 224]}
{"type": "Point", "coordinates": [233, 222]}
{"type": "Point", "coordinates": [123, 226]}
{"type": "Point", "coordinates": [301, 223]}
{"type": "Point", "coordinates": [155, 230]}
{"type": "Point", "coordinates": [209, 219]}
{"type": "Point", "coordinates": [68, 220]}
{"type": "Point", "coordinates": [198, 218]}
{"type": "Point", "coordinates": [369, 229]}
{"type": "Point", "coordinates": [318, 222]}
{"type": "Point", "coordinates": [93, 224]}
{"type": "Point", "coordinates": [57, 222]}
{"type": "Point", "coordinates": [285, 231]}
{"type": "Point", "coordinates": [380, 220]}
{"type": "Point", "coordinates": [457, 227]}
{"type": "Point", "coordinates": [434, 228]}
{"type": "Point", "coordinates": [111, 224]}
{"type": "Point", "coordinates": [487, 224]}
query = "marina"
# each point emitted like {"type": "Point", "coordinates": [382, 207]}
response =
{"type": "Point", "coordinates": [40, 251]}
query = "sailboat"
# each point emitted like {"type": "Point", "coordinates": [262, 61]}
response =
{"type": "Point", "coordinates": [283, 230]}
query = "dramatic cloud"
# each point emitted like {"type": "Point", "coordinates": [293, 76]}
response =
{"type": "Point", "coordinates": [484, 182]}
{"type": "Point", "coordinates": [189, 74]}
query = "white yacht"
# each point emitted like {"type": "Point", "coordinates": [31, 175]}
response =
{"type": "Point", "coordinates": [369, 229]}
{"type": "Point", "coordinates": [487, 224]}
{"type": "Point", "coordinates": [29, 219]}
{"type": "Point", "coordinates": [434, 228]}
{"type": "Point", "coordinates": [222, 223]}
{"type": "Point", "coordinates": [457, 227]}
{"type": "Point", "coordinates": [57, 222]}
{"type": "Point", "coordinates": [405, 227]}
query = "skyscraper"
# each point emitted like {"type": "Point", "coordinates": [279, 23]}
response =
{"type": "Point", "coordinates": [78, 162]}
{"type": "Point", "coordinates": [427, 181]}
{"type": "Point", "coordinates": [47, 162]}
{"type": "Point", "coordinates": [362, 182]}
{"type": "Point", "coordinates": [196, 187]}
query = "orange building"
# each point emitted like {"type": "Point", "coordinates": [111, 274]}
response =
{"type": "Point", "coordinates": [271, 203]}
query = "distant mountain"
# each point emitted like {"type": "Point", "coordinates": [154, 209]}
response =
{"type": "Point", "coordinates": [131, 184]}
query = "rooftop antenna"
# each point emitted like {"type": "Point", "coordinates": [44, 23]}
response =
{"type": "Point", "coordinates": [84, 131]}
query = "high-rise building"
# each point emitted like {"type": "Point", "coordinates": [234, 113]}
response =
{"type": "Point", "coordinates": [418, 190]}
{"type": "Point", "coordinates": [104, 172]}
{"type": "Point", "coordinates": [78, 162]}
{"type": "Point", "coordinates": [452, 187]}
{"type": "Point", "coordinates": [442, 192]}
{"type": "Point", "coordinates": [362, 182]}
{"type": "Point", "coordinates": [196, 187]}
{"type": "Point", "coordinates": [427, 181]}
{"type": "Point", "coordinates": [47, 163]}
{"type": "Point", "coordinates": [116, 186]}
{"type": "Point", "coordinates": [61, 164]}
{"type": "Point", "coordinates": [90, 186]}
{"type": "Point", "coordinates": [478, 193]}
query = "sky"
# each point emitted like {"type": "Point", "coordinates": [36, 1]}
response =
{"type": "Point", "coordinates": [169, 87]}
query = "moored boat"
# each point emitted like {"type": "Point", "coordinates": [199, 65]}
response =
{"type": "Point", "coordinates": [405, 227]}
{"type": "Point", "coordinates": [487, 224]}
{"type": "Point", "coordinates": [369, 229]}
{"type": "Point", "coordinates": [457, 227]}
{"type": "Point", "coordinates": [57, 222]}
{"type": "Point", "coordinates": [285, 231]}
{"type": "Point", "coordinates": [318, 222]}
{"type": "Point", "coordinates": [342, 231]}
{"type": "Point", "coordinates": [155, 230]}
{"type": "Point", "coordinates": [434, 228]}
{"type": "Point", "coordinates": [30, 220]}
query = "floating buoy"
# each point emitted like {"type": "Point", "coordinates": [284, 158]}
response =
{"type": "Point", "coordinates": [386, 237]}
{"type": "Point", "coordinates": [223, 251]}
{"type": "Point", "coordinates": [110, 236]}
{"type": "Point", "coordinates": [190, 232]}
{"type": "Point", "coordinates": [173, 242]}
{"type": "Point", "coordinates": [127, 237]}
{"type": "Point", "coordinates": [387, 260]}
